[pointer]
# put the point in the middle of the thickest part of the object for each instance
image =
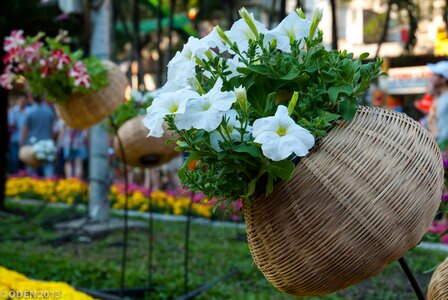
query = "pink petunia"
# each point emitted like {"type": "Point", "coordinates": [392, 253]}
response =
{"type": "Point", "coordinates": [13, 56]}
{"type": "Point", "coordinates": [45, 68]}
{"type": "Point", "coordinates": [83, 80]}
{"type": "Point", "coordinates": [60, 58]}
{"type": "Point", "coordinates": [7, 78]}
{"type": "Point", "coordinates": [15, 40]}
{"type": "Point", "coordinates": [32, 52]}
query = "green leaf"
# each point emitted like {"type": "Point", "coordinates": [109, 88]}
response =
{"type": "Point", "coordinates": [291, 75]}
{"type": "Point", "coordinates": [334, 91]}
{"type": "Point", "coordinates": [259, 69]}
{"type": "Point", "coordinates": [348, 109]}
{"type": "Point", "coordinates": [252, 150]}
{"type": "Point", "coordinates": [282, 169]}
{"type": "Point", "coordinates": [269, 185]}
{"type": "Point", "coordinates": [364, 56]}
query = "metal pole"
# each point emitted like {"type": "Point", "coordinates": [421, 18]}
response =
{"type": "Point", "coordinates": [411, 278]}
{"type": "Point", "coordinates": [126, 201]}
{"type": "Point", "coordinates": [151, 241]}
{"type": "Point", "coordinates": [187, 244]}
{"type": "Point", "coordinates": [159, 40]}
{"type": "Point", "coordinates": [99, 174]}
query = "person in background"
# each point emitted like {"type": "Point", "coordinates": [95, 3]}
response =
{"type": "Point", "coordinates": [438, 117]}
{"type": "Point", "coordinates": [16, 117]}
{"type": "Point", "coordinates": [74, 149]}
{"type": "Point", "coordinates": [438, 121]}
{"type": "Point", "coordinates": [37, 126]}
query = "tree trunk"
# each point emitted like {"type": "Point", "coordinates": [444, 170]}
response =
{"type": "Point", "coordinates": [137, 44]}
{"type": "Point", "coordinates": [272, 13]}
{"type": "Point", "coordinates": [170, 28]}
{"type": "Point", "coordinates": [232, 12]}
{"type": "Point", "coordinates": [385, 29]}
{"type": "Point", "coordinates": [100, 177]}
{"type": "Point", "coordinates": [159, 40]}
{"type": "Point", "coordinates": [334, 26]}
{"type": "Point", "coordinates": [4, 137]}
{"type": "Point", "coordinates": [282, 10]}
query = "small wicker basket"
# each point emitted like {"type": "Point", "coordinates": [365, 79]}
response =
{"type": "Point", "coordinates": [140, 150]}
{"type": "Point", "coordinates": [438, 286]}
{"type": "Point", "coordinates": [359, 201]}
{"type": "Point", "coordinates": [82, 111]}
{"type": "Point", "coordinates": [27, 156]}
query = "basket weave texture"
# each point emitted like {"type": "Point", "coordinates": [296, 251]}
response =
{"type": "Point", "coordinates": [137, 145]}
{"type": "Point", "coordinates": [27, 156]}
{"type": "Point", "coordinates": [360, 200]}
{"type": "Point", "coordinates": [82, 111]}
{"type": "Point", "coordinates": [438, 286]}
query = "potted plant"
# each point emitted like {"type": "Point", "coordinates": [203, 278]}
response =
{"type": "Point", "coordinates": [438, 286]}
{"type": "Point", "coordinates": [84, 91]}
{"type": "Point", "coordinates": [138, 151]}
{"type": "Point", "coordinates": [37, 153]}
{"type": "Point", "coordinates": [332, 192]}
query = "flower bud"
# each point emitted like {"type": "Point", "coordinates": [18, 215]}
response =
{"type": "Point", "coordinates": [300, 12]}
{"type": "Point", "coordinates": [292, 104]}
{"type": "Point", "coordinates": [316, 20]}
{"type": "Point", "coordinates": [223, 35]}
{"type": "Point", "coordinates": [249, 20]}
{"type": "Point", "coordinates": [241, 97]}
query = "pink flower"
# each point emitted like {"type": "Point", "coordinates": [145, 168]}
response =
{"type": "Point", "coordinates": [60, 58]}
{"type": "Point", "coordinates": [79, 73]}
{"type": "Point", "coordinates": [13, 56]}
{"type": "Point", "coordinates": [45, 68]}
{"type": "Point", "coordinates": [444, 239]}
{"type": "Point", "coordinates": [7, 78]}
{"type": "Point", "coordinates": [15, 40]}
{"type": "Point", "coordinates": [32, 52]}
{"type": "Point", "coordinates": [83, 80]}
{"type": "Point", "coordinates": [78, 69]}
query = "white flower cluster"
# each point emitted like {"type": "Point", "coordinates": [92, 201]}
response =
{"type": "Point", "coordinates": [44, 150]}
{"type": "Point", "coordinates": [183, 97]}
{"type": "Point", "coordinates": [140, 96]}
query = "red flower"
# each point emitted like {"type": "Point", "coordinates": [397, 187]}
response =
{"type": "Point", "coordinates": [83, 80]}
{"type": "Point", "coordinates": [7, 78]}
{"type": "Point", "coordinates": [15, 40]}
{"type": "Point", "coordinates": [13, 56]}
{"type": "Point", "coordinates": [45, 68]}
{"type": "Point", "coordinates": [79, 73]}
{"type": "Point", "coordinates": [60, 58]}
{"type": "Point", "coordinates": [32, 52]}
{"type": "Point", "coordinates": [80, 67]}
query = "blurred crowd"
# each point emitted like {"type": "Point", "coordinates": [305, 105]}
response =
{"type": "Point", "coordinates": [31, 120]}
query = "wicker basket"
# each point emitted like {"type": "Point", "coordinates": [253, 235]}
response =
{"type": "Point", "coordinates": [359, 201]}
{"type": "Point", "coordinates": [140, 150]}
{"type": "Point", "coordinates": [27, 156]}
{"type": "Point", "coordinates": [438, 286]}
{"type": "Point", "coordinates": [82, 111]}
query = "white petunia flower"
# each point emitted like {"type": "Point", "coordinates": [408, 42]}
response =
{"type": "Point", "coordinates": [280, 136]}
{"type": "Point", "coordinates": [206, 111]}
{"type": "Point", "coordinates": [181, 69]}
{"type": "Point", "coordinates": [233, 64]}
{"type": "Point", "coordinates": [240, 33]}
{"type": "Point", "coordinates": [233, 124]}
{"type": "Point", "coordinates": [293, 27]}
{"type": "Point", "coordinates": [171, 103]}
{"type": "Point", "coordinates": [214, 41]}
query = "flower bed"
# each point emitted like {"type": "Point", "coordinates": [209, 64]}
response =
{"type": "Point", "coordinates": [74, 190]}
{"type": "Point", "coordinates": [14, 285]}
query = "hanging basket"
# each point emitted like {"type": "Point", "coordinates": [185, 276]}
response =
{"type": "Point", "coordinates": [359, 201]}
{"type": "Point", "coordinates": [438, 286]}
{"type": "Point", "coordinates": [82, 111]}
{"type": "Point", "coordinates": [140, 150]}
{"type": "Point", "coordinates": [27, 156]}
